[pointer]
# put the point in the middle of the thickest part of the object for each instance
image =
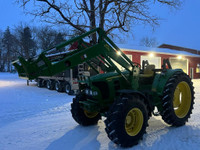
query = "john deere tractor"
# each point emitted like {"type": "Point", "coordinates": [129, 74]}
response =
{"type": "Point", "coordinates": [127, 95]}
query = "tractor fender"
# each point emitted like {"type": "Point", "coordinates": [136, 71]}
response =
{"type": "Point", "coordinates": [131, 92]}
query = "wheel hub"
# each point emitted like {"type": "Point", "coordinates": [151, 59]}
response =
{"type": "Point", "coordinates": [134, 121]}
{"type": "Point", "coordinates": [182, 99]}
{"type": "Point", "coordinates": [90, 114]}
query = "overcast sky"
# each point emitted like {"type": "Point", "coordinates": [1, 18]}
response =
{"type": "Point", "coordinates": [181, 28]}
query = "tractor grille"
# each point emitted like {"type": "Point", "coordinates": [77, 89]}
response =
{"type": "Point", "coordinates": [117, 85]}
{"type": "Point", "coordinates": [103, 86]}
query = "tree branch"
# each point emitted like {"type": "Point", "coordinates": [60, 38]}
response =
{"type": "Point", "coordinates": [57, 9]}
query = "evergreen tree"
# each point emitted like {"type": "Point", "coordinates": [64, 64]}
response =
{"type": "Point", "coordinates": [8, 48]}
{"type": "Point", "coordinates": [1, 49]}
{"type": "Point", "coordinates": [28, 45]}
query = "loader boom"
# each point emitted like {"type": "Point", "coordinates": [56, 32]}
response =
{"type": "Point", "coordinates": [105, 51]}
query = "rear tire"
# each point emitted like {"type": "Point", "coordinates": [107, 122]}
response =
{"type": "Point", "coordinates": [81, 116]}
{"type": "Point", "coordinates": [177, 99]}
{"type": "Point", "coordinates": [40, 83]}
{"type": "Point", "coordinates": [59, 86]}
{"type": "Point", "coordinates": [50, 84]}
{"type": "Point", "coordinates": [67, 88]}
{"type": "Point", "coordinates": [127, 121]}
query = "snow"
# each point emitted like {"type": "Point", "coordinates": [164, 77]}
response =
{"type": "Point", "coordinates": [33, 118]}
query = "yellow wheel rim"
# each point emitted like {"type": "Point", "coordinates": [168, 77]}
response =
{"type": "Point", "coordinates": [90, 114]}
{"type": "Point", "coordinates": [182, 99]}
{"type": "Point", "coordinates": [134, 122]}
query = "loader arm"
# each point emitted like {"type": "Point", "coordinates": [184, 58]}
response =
{"type": "Point", "coordinates": [105, 51]}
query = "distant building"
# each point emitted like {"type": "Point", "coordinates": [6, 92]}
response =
{"type": "Point", "coordinates": [179, 57]}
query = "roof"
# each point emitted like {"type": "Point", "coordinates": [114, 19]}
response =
{"type": "Point", "coordinates": [194, 51]}
{"type": "Point", "coordinates": [127, 47]}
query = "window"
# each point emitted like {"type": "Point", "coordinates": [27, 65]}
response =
{"type": "Point", "coordinates": [198, 68]}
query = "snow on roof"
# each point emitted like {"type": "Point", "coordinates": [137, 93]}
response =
{"type": "Point", "coordinates": [128, 47]}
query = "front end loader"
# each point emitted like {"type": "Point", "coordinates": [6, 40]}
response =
{"type": "Point", "coordinates": [126, 96]}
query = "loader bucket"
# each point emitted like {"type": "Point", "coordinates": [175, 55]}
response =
{"type": "Point", "coordinates": [30, 69]}
{"type": "Point", "coordinates": [20, 69]}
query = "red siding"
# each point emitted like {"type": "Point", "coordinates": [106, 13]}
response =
{"type": "Point", "coordinates": [192, 61]}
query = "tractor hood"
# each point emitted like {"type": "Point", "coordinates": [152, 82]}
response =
{"type": "Point", "coordinates": [107, 76]}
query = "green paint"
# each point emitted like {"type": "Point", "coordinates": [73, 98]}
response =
{"type": "Point", "coordinates": [104, 87]}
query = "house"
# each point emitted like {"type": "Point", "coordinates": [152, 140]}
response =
{"type": "Point", "coordinates": [179, 57]}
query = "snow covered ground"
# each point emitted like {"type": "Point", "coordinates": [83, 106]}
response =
{"type": "Point", "coordinates": [36, 119]}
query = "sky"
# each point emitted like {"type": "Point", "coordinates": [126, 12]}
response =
{"type": "Point", "coordinates": [180, 27]}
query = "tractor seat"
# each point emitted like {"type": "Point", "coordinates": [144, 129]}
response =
{"type": "Point", "coordinates": [148, 71]}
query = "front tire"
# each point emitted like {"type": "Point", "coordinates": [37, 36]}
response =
{"type": "Point", "coordinates": [83, 117]}
{"type": "Point", "coordinates": [177, 99]}
{"type": "Point", "coordinates": [127, 121]}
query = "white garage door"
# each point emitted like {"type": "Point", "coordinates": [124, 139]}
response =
{"type": "Point", "coordinates": [179, 63]}
{"type": "Point", "coordinates": [152, 60]}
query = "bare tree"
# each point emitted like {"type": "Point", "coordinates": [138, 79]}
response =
{"type": "Point", "coordinates": [45, 37]}
{"type": "Point", "coordinates": [48, 37]}
{"type": "Point", "coordinates": [85, 15]}
{"type": "Point", "coordinates": [149, 42]}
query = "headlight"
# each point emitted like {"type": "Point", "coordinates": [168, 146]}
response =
{"type": "Point", "coordinates": [95, 93]}
{"type": "Point", "coordinates": [91, 93]}
{"type": "Point", "coordinates": [86, 91]}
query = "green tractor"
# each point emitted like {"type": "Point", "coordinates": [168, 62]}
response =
{"type": "Point", "coordinates": [126, 96]}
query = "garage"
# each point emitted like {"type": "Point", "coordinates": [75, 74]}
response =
{"type": "Point", "coordinates": [185, 60]}
{"type": "Point", "coordinates": [179, 63]}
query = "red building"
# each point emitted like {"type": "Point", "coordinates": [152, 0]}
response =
{"type": "Point", "coordinates": [180, 58]}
